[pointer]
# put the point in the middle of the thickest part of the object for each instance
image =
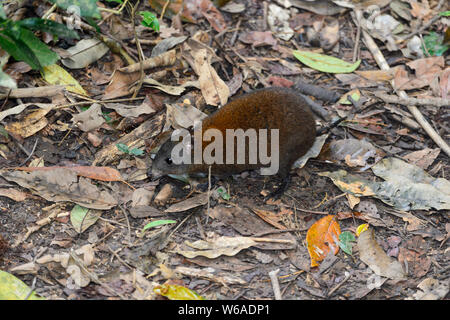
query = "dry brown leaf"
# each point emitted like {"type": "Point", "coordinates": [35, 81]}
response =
{"type": "Point", "coordinates": [173, 90]}
{"type": "Point", "coordinates": [19, 108]}
{"type": "Point", "coordinates": [242, 220]}
{"type": "Point", "coordinates": [352, 200]}
{"type": "Point", "coordinates": [431, 289]}
{"type": "Point", "coordinates": [183, 115]}
{"type": "Point", "coordinates": [120, 84]}
{"type": "Point", "coordinates": [329, 34]}
{"type": "Point", "coordinates": [355, 152]}
{"type": "Point", "coordinates": [270, 217]}
{"type": "Point", "coordinates": [13, 194]}
{"type": "Point", "coordinates": [445, 82]}
{"type": "Point", "coordinates": [213, 88]}
{"type": "Point", "coordinates": [350, 183]}
{"type": "Point", "coordinates": [62, 184]}
{"type": "Point", "coordinates": [90, 119]}
{"type": "Point", "coordinates": [406, 187]}
{"type": "Point", "coordinates": [422, 158]}
{"type": "Point", "coordinates": [32, 123]}
{"type": "Point", "coordinates": [210, 12]}
{"type": "Point", "coordinates": [420, 9]}
{"type": "Point", "coordinates": [190, 203]}
{"type": "Point", "coordinates": [426, 70]}
{"type": "Point", "coordinates": [228, 246]}
{"type": "Point", "coordinates": [130, 111]}
{"type": "Point", "coordinates": [373, 255]}
{"type": "Point", "coordinates": [378, 75]}
{"type": "Point", "coordinates": [258, 38]}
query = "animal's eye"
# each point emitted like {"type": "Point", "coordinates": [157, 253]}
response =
{"type": "Point", "coordinates": [169, 160]}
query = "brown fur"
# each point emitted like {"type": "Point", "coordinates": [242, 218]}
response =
{"type": "Point", "coordinates": [269, 108]}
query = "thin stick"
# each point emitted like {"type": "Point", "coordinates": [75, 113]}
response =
{"type": "Point", "coordinates": [164, 9]}
{"type": "Point", "coordinates": [381, 61]}
{"type": "Point", "coordinates": [139, 48]}
{"type": "Point", "coordinates": [435, 102]}
{"type": "Point", "coordinates": [275, 283]}
{"type": "Point", "coordinates": [209, 193]}
{"type": "Point", "coordinates": [31, 153]}
{"type": "Point", "coordinates": [33, 286]}
{"type": "Point", "coordinates": [234, 36]}
{"type": "Point", "coordinates": [128, 224]}
{"type": "Point", "coordinates": [272, 240]}
{"type": "Point", "coordinates": [358, 37]}
{"type": "Point", "coordinates": [339, 285]}
{"type": "Point", "coordinates": [265, 8]}
{"type": "Point", "coordinates": [97, 101]}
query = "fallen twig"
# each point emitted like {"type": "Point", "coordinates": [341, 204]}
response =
{"type": "Point", "coordinates": [381, 61]}
{"type": "Point", "coordinates": [275, 284]}
{"type": "Point", "coordinates": [436, 102]}
{"type": "Point", "coordinates": [37, 92]}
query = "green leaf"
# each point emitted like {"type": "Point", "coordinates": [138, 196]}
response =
{"type": "Point", "coordinates": [3, 132]}
{"type": "Point", "coordinates": [150, 20]}
{"type": "Point", "coordinates": [445, 14]}
{"type": "Point", "coordinates": [345, 239]}
{"type": "Point", "coordinates": [93, 24]}
{"type": "Point", "coordinates": [7, 81]}
{"type": "Point", "coordinates": [157, 223]}
{"type": "Point", "coordinates": [180, 177]}
{"type": "Point", "coordinates": [49, 26]}
{"type": "Point", "coordinates": [116, 1]}
{"type": "Point", "coordinates": [325, 63]}
{"type": "Point", "coordinates": [434, 45]}
{"type": "Point", "coordinates": [88, 8]}
{"type": "Point", "coordinates": [12, 288]}
{"type": "Point", "coordinates": [136, 152]}
{"type": "Point", "coordinates": [82, 218]}
{"type": "Point", "coordinates": [19, 50]}
{"type": "Point", "coordinates": [45, 56]}
{"type": "Point", "coordinates": [2, 12]}
{"type": "Point", "coordinates": [223, 193]}
{"type": "Point", "coordinates": [123, 147]}
{"type": "Point", "coordinates": [355, 94]}
{"type": "Point", "coordinates": [108, 119]}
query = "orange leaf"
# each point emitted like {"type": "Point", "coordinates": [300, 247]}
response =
{"type": "Point", "coordinates": [323, 237]}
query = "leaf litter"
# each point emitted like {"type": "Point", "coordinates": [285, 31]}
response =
{"type": "Point", "coordinates": [207, 69]}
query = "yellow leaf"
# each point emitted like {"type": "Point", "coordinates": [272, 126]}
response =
{"type": "Point", "coordinates": [11, 288]}
{"type": "Point", "coordinates": [355, 94]}
{"type": "Point", "coordinates": [361, 228]}
{"type": "Point", "coordinates": [56, 75]}
{"type": "Point", "coordinates": [176, 292]}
